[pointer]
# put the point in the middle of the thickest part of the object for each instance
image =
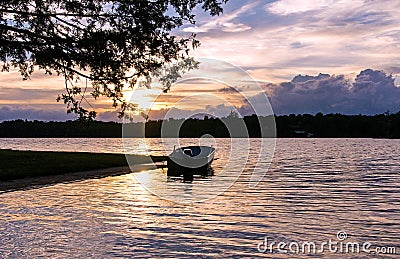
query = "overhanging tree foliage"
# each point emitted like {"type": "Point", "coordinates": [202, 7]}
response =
{"type": "Point", "coordinates": [110, 43]}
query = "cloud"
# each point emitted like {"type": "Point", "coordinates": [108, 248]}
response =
{"type": "Point", "coordinates": [228, 90]}
{"type": "Point", "coordinates": [274, 40]}
{"type": "Point", "coordinates": [372, 92]}
{"type": "Point", "coordinates": [225, 22]}
{"type": "Point", "coordinates": [289, 37]}
{"type": "Point", "coordinates": [22, 95]}
{"type": "Point", "coordinates": [286, 7]}
{"type": "Point", "coordinates": [108, 116]}
{"type": "Point", "coordinates": [368, 92]}
{"type": "Point", "coordinates": [234, 27]}
{"type": "Point", "coordinates": [46, 112]}
{"type": "Point", "coordinates": [297, 44]}
{"type": "Point", "coordinates": [13, 112]}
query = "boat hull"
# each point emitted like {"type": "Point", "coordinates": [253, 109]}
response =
{"type": "Point", "coordinates": [187, 165]}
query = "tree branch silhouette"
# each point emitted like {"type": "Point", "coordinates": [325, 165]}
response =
{"type": "Point", "coordinates": [111, 43]}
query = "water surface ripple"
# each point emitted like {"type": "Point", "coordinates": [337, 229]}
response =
{"type": "Point", "coordinates": [313, 189]}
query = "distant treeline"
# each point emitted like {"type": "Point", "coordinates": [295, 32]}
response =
{"type": "Point", "coordinates": [305, 125]}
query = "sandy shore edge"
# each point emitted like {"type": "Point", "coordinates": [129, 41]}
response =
{"type": "Point", "coordinates": [34, 182]}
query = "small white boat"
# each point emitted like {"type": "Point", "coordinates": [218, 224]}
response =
{"type": "Point", "coordinates": [190, 159]}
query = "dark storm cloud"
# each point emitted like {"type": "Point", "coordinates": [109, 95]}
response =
{"type": "Point", "coordinates": [228, 90]}
{"type": "Point", "coordinates": [372, 92]}
{"type": "Point", "coordinates": [13, 112]}
{"type": "Point", "coordinates": [238, 89]}
{"type": "Point", "coordinates": [393, 69]}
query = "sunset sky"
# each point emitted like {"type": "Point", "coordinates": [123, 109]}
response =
{"type": "Point", "coordinates": [354, 41]}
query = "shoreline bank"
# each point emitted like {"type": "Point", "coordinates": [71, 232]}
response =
{"type": "Point", "coordinates": [25, 169]}
{"type": "Point", "coordinates": [41, 181]}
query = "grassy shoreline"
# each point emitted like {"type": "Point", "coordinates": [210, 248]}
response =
{"type": "Point", "coordinates": [28, 166]}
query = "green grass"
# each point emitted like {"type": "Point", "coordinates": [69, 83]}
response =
{"type": "Point", "coordinates": [22, 164]}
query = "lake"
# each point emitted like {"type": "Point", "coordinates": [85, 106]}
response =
{"type": "Point", "coordinates": [315, 191]}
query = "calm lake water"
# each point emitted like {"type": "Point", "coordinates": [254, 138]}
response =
{"type": "Point", "coordinates": [313, 189]}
